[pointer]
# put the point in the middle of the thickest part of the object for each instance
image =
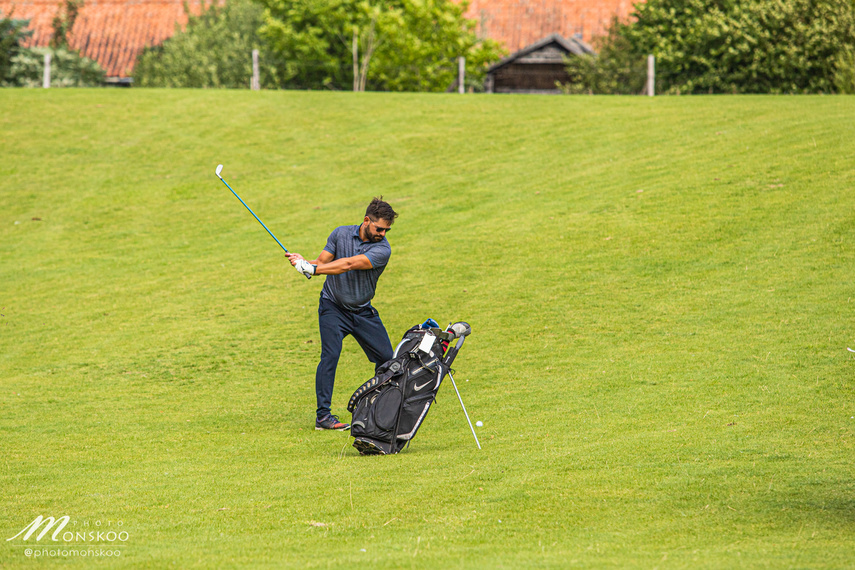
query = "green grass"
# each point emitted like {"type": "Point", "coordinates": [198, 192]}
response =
{"type": "Point", "coordinates": [660, 292]}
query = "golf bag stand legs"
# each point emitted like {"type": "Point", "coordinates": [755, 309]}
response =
{"type": "Point", "coordinates": [453, 383]}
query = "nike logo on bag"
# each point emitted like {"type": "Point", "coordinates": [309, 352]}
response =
{"type": "Point", "coordinates": [417, 388]}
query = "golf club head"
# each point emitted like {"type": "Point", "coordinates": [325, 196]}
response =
{"type": "Point", "coordinates": [219, 169]}
{"type": "Point", "coordinates": [461, 329]}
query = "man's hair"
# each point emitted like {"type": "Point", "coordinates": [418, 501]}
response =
{"type": "Point", "coordinates": [380, 210]}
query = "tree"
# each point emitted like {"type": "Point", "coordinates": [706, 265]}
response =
{"type": "Point", "coordinates": [424, 58]}
{"type": "Point", "coordinates": [309, 36]}
{"type": "Point", "coordinates": [398, 45]}
{"type": "Point", "coordinates": [742, 46]}
{"type": "Point", "coordinates": [215, 50]}
{"type": "Point", "coordinates": [367, 39]}
{"type": "Point", "coordinates": [13, 33]}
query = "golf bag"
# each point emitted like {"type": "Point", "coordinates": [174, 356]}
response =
{"type": "Point", "coordinates": [389, 409]}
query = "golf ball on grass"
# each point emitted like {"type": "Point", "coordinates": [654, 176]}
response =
{"type": "Point", "coordinates": [479, 423]}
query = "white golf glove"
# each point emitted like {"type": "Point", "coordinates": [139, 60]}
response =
{"type": "Point", "coordinates": [305, 268]}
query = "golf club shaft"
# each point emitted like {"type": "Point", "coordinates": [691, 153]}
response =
{"type": "Point", "coordinates": [253, 213]}
{"type": "Point", "coordinates": [453, 383]}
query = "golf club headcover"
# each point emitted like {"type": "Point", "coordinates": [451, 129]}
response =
{"type": "Point", "coordinates": [305, 268]}
{"type": "Point", "coordinates": [461, 329]}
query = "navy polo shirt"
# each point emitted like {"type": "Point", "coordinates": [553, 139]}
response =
{"type": "Point", "coordinates": [353, 290]}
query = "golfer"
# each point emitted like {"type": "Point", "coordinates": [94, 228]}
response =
{"type": "Point", "coordinates": [352, 260]}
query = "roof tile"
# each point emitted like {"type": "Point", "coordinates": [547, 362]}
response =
{"type": "Point", "coordinates": [519, 23]}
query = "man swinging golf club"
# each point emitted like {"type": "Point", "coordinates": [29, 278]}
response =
{"type": "Point", "coordinates": [353, 260]}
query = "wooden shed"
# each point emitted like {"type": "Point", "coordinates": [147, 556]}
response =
{"type": "Point", "coordinates": [536, 68]}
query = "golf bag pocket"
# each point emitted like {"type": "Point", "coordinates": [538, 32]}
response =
{"type": "Point", "coordinates": [376, 415]}
{"type": "Point", "coordinates": [412, 415]}
{"type": "Point", "coordinates": [387, 408]}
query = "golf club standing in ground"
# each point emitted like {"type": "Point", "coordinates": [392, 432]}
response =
{"type": "Point", "coordinates": [353, 260]}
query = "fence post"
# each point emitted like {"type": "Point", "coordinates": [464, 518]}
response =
{"type": "Point", "coordinates": [355, 50]}
{"type": "Point", "coordinates": [256, 80]}
{"type": "Point", "coordinates": [46, 78]}
{"type": "Point", "coordinates": [461, 74]}
{"type": "Point", "coordinates": [651, 76]}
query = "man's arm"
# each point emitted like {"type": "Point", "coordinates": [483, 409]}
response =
{"type": "Point", "coordinates": [324, 257]}
{"type": "Point", "coordinates": [327, 265]}
{"type": "Point", "coordinates": [343, 265]}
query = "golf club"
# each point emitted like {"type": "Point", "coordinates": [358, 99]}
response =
{"type": "Point", "coordinates": [220, 169]}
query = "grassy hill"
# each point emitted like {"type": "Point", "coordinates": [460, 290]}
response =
{"type": "Point", "coordinates": [660, 291]}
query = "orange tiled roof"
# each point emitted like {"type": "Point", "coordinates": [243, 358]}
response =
{"type": "Point", "coordinates": [519, 23]}
{"type": "Point", "coordinates": [112, 32]}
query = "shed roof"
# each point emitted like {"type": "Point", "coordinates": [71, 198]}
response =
{"type": "Point", "coordinates": [519, 23]}
{"type": "Point", "coordinates": [550, 49]}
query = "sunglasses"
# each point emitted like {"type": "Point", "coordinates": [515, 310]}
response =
{"type": "Point", "coordinates": [378, 228]}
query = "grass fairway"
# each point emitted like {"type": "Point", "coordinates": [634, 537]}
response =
{"type": "Point", "coordinates": [660, 291]}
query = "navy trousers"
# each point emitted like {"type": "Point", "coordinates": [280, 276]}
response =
{"type": "Point", "coordinates": [335, 324]}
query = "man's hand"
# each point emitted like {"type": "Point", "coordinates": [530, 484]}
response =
{"type": "Point", "coordinates": [304, 267]}
{"type": "Point", "coordinates": [294, 258]}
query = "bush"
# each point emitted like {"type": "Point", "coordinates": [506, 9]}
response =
{"type": "Point", "coordinates": [68, 69]}
{"type": "Point", "coordinates": [844, 76]}
{"type": "Point", "coordinates": [215, 50]}
{"type": "Point", "coordinates": [616, 69]}
{"type": "Point", "coordinates": [733, 46]}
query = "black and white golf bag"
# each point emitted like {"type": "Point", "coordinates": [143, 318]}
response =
{"type": "Point", "coordinates": [389, 409]}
